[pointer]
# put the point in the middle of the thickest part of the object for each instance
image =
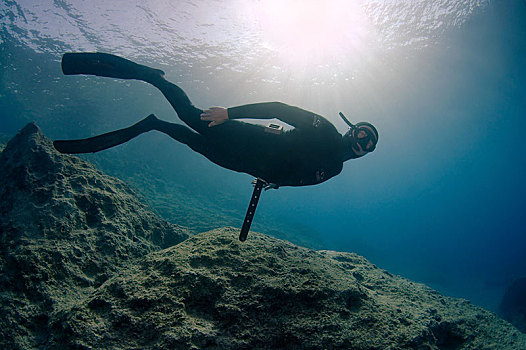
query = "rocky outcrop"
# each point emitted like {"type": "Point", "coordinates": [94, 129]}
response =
{"type": "Point", "coordinates": [213, 292]}
{"type": "Point", "coordinates": [65, 227]}
{"type": "Point", "coordinates": [82, 267]}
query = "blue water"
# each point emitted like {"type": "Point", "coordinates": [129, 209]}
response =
{"type": "Point", "coordinates": [441, 201]}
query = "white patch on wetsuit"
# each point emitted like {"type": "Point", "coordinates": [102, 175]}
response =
{"type": "Point", "coordinates": [316, 121]}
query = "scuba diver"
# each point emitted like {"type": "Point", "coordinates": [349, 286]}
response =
{"type": "Point", "coordinates": [310, 153]}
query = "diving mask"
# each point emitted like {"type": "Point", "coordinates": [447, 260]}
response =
{"type": "Point", "coordinates": [361, 134]}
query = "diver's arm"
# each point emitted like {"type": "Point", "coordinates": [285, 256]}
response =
{"type": "Point", "coordinates": [291, 115]}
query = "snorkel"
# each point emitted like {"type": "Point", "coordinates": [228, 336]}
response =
{"type": "Point", "coordinates": [351, 125]}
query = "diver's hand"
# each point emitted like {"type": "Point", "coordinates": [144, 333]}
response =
{"type": "Point", "coordinates": [215, 115]}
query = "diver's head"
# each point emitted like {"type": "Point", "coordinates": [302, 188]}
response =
{"type": "Point", "coordinates": [360, 139]}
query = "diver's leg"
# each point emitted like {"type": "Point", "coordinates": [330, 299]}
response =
{"type": "Point", "coordinates": [98, 143]}
{"type": "Point", "coordinates": [108, 140]}
{"type": "Point", "coordinates": [184, 135]}
{"type": "Point", "coordinates": [108, 65]}
{"type": "Point", "coordinates": [182, 105]}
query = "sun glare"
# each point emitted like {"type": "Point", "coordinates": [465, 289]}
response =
{"type": "Point", "coordinates": [304, 32]}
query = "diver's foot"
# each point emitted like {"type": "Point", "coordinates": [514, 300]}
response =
{"type": "Point", "coordinates": [147, 123]}
{"type": "Point", "coordinates": [149, 74]}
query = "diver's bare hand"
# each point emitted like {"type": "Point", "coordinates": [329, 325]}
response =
{"type": "Point", "coordinates": [215, 115]}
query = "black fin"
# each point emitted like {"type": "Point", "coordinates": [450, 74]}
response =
{"type": "Point", "coordinates": [105, 141]}
{"type": "Point", "coordinates": [106, 65]}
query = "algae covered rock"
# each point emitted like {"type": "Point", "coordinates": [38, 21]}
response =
{"type": "Point", "coordinates": [65, 227]}
{"type": "Point", "coordinates": [44, 194]}
{"type": "Point", "coordinates": [213, 292]}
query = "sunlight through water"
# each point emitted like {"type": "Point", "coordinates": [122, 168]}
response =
{"type": "Point", "coordinates": [312, 32]}
{"type": "Point", "coordinates": [267, 36]}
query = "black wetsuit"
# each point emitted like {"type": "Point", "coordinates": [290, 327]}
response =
{"type": "Point", "coordinates": [310, 153]}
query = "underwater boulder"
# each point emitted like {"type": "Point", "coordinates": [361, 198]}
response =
{"type": "Point", "coordinates": [513, 305]}
{"type": "Point", "coordinates": [44, 193]}
{"type": "Point", "coordinates": [65, 228]}
{"type": "Point", "coordinates": [214, 292]}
